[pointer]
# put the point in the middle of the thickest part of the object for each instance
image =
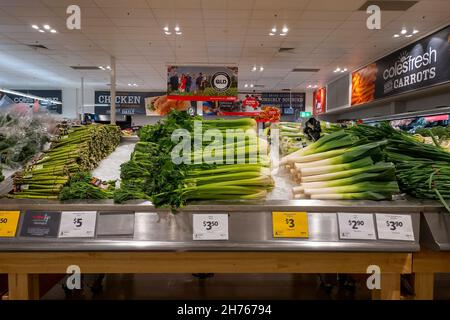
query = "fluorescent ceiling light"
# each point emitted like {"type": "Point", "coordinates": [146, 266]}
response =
{"type": "Point", "coordinates": [404, 31]}
{"type": "Point", "coordinates": [20, 94]}
{"type": "Point", "coordinates": [246, 85]}
{"type": "Point", "coordinates": [168, 33]}
{"type": "Point", "coordinates": [285, 29]}
{"type": "Point", "coordinates": [254, 68]}
{"type": "Point", "coordinates": [166, 28]}
{"type": "Point", "coordinates": [47, 27]}
{"type": "Point", "coordinates": [274, 29]}
{"type": "Point", "coordinates": [282, 34]}
{"type": "Point", "coordinates": [35, 27]}
{"type": "Point", "coordinates": [271, 34]}
{"type": "Point", "coordinates": [261, 69]}
{"type": "Point", "coordinates": [251, 86]}
{"type": "Point", "coordinates": [310, 86]}
{"type": "Point", "coordinates": [396, 35]}
{"type": "Point", "coordinates": [42, 31]}
{"type": "Point", "coordinates": [177, 28]}
{"type": "Point", "coordinates": [408, 35]}
{"type": "Point", "coordinates": [415, 31]}
{"type": "Point", "coordinates": [179, 33]}
{"type": "Point", "coordinates": [53, 31]}
{"type": "Point", "coordinates": [108, 67]}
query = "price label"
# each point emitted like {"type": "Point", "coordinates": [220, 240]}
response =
{"type": "Point", "coordinates": [395, 227]}
{"type": "Point", "coordinates": [210, 226]}
{"type": "Point", "coordinates": [290, 224]}
{"type": "Point", "coordinates": [356, 226]}
{"type": "Point", "coordinates": [8, 223]}
{"type": "Point", "coordinates": [75, 224]}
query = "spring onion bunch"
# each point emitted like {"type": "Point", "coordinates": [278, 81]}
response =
{"type": "Point", "coordinates": [152, 174]}
{"type": "Point", "coordinates": [81, 149]}
{"type": "Point", "coordinates": [423, 170]}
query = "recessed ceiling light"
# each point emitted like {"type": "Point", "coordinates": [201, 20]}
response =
{"type": "Point", "coordinates": [315, 86]}
{"type": "Point", "coordinates": [396, 35]}
{"type": "Point", "coordinates": [274, 29]}
{"type": "Point", "coordinates": [310, 86]}
{"type": "Point", "coordinates": [101, 67]}
{"type": "Point", "coordinates": [415, 31]}
{"type": "Point", "coordinates": [404, 31]}
{"type": "Point", "coordinates": [271, 34]}
{"type": "Point", "coordinates": [129, 84]}
{"type": "Point", "coordinates": [408, 35]}
{"type": "Point", "coordinates": [345, 69]}
{"type": "Point", "coordinates": [254, 69]}
{"type": "Point", "coordinates": [35, 27]}
{"type": "Point", "coordinates": [251, 86]}
{"type": "Point", "coordinates": [166, 28]}
{"type": "Point", "coordinates": [42, 31]}
{"type": "Point", "coordinates": [168, 33]}
{"type": "Point", "coordinates": [47, 27]}
{"type": "Point", "coordinates": [246, 85]}
{"type": "Point", "coordinates": [108, 67]}
{"type": "Point", "coordinates": [282, 34]}
{"type": "Point", "coordinates": [53, 31]}
{"type": "Point", "coordinates": [261, 69]}
{"type": "Point", "coordinates": [177, 28]}
{"type": "Point", "coordinates": [179, 33]}
{"type": "Point", "coordinates": [285, 29]}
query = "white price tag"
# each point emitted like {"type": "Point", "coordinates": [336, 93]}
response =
{"type": "Point", "coordinates": [76, 224]}
{"type": "Point", "coordinates": [356, 226]}
{"type": "Point", "coordinates": [395, 227]}
{"type": "Point", "coordinates": [210, 226]}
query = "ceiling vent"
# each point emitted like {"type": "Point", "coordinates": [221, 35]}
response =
{"type": "Point", "coordinates": [37, 46]}
{"type": "Point", "coordinates": [258, 86]}
{"type": "Point", "coordinates": [388, 5]}
{"type": "Point", "coordinates": [305, 70]}
{"type": "Point", "coordinates": [85, 67]}
{"type": "Point", "coordinates": [286, 49]}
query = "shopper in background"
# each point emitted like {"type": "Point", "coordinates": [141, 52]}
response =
{"type": "Point", "coordinates": [183, 80]}
{"type": "Point", "coordinates": [199, 82]}
{"type": "Point", "coordinates": [174, 81]}
{"type": "Point", "coordinates": [188, 83]}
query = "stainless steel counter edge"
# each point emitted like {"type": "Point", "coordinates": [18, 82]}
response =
{"type": "Point", "coordinates": [410, 205]}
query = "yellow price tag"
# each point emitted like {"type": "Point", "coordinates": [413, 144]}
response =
{"type": "Point", "coordinates": [290, 224]}
{"type": "Point", "coordinates": [8, 223]}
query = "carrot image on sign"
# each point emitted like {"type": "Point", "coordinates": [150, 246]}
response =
{"type": "Point", "coordinates": [363, 84]}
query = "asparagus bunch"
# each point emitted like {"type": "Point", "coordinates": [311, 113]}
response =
{"type": "Point", "coordinates": [80, 150]}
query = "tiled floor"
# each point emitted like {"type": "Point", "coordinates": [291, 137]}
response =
{"type": "Point", "coordinates": [225, 286]}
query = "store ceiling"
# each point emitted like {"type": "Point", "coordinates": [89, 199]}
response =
{"type": "Point", "coordinates": [324, 34]}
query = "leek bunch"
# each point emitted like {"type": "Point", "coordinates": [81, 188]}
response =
{"type": "Point", "coordinates": [342, 166]}
{"type": "Point", "coordinates": [152, 174]}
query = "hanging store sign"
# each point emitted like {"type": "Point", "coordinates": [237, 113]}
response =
{"type": "Point", "coordinates": [319, 101]}
{"type": "Point", "coordinates": [295, 100]}
{"type": "Point", "coordinates": [139, 103]}
{"type": "Point", "coordinates": [8, 223]}
{"type": "Point", "coordinates": [202, 83]}
{"type": "Point", "coordinates": [41, 105]}
{"type": "Point", "coordinates": [422, 64]}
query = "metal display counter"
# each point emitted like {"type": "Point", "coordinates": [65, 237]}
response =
{"type": "Point", "coordinates": [435, 254]}
{"type": "Point", "coordinates": [158, 241]}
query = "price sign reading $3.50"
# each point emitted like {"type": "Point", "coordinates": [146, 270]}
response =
{"type": "Point", "coordinates": [210, 226]}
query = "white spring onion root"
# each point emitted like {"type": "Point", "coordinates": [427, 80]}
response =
{"type": "Point", "coordinates": [300, 196]}
{"type": "Point", "coordinates": [298, 189]}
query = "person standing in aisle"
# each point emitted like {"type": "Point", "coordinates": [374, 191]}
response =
{"type": "Point", "coordinates": [199, 82]}
{"type": "Point", "coordinates": [188, 82]}
{"type": "Point", "coordinates": [174, 81]}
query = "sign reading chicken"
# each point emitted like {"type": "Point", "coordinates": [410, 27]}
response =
{"type": "Point", "coordinates": [202, 83]}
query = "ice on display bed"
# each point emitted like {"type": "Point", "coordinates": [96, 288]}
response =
{"type": "Point", "coordinates": [109, 168]}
